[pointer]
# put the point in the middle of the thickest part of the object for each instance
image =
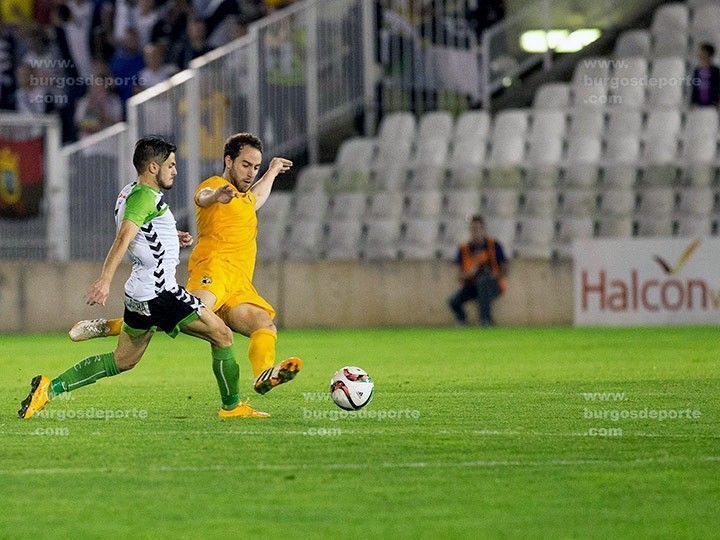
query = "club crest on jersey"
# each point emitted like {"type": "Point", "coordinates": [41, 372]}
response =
{"type": "Point", "coordinates": [206, 280]}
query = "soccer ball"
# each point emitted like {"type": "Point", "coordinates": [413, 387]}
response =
{"type": "Point", "coordinates": [351, 388]}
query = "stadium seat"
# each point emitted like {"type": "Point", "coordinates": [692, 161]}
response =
{"type": "Point", "coordinates": [538, 203]}
{"type": "Point", "coordinates": [341, 239]}
{"type": "Point", "coordinates": [666, 44]}
{"type": "Point", "coordinates": [701, 122]}
{"type": "Point", "coordinates": [672, 69]}
{"type": "Point", "coordinates": [692, 226]}
{"type": "Point", "coordinates": [353, 166]}
{"type": "Point", "coordinates": [543, 163]}
{"type": "Point", "coordinates": [627, 70]}
{"type": "Point", "coordinates": [582, 162]}
{"type": "Point", "coordinates": [452, 234]}
{"type": "Point", "coordinates": [303, 240]}
{"type": "Point", "coordinates": [466, 165]}
{"type": "Point", "coordinates": [423, 204]}
{"type": "Point", "coordinates": [428, 166]}
{"type": "Point", "coordinates": [696, 160]}
{"type": "Point", "coordinates": [662, 123]}
{"type": "Point", "coordinates": [385, 206]}
{"type": "Point", "coordinates": [389, 172]}
{"type": "Point", "coordinates": [506, 159]}
{"type": "Point", "coordinates": [553, 96]}
{"type": "Point", "coordinates": [534, 237]}
{"type": "Point", "coordinates": [576, 202]}
{"type": "Point", "coordinates": [510, 123]}
{"type": "Point", "coordinates": [620, 165]}
{"type": "Point", "coordinates": [419, 239]}
{"type": "Point", "coordinates": [461, 204]}
{"type": "Point", "coordinates": [314, 178]}
{"type": "Point", "coordinates": [309, 206]}
{"type": "Point", "coordinates": [396, 127]}
{"type": "Point", "coordinates": [657, 202]}
{"type": "Point", "coordinates": [616, 202]}
{"type": "Point", "coordinates": [695, 201]}
{"type": "Point", "coordinates": [547, 124]}
{"type": "Point", "coordinates": [270, 239]}
{"type": "Point", "coordinates": [347, 206]}
{"type": "Point", "coordinates": [472, 125]}
{"type": "Point", "coordinates": [504, 230]}
{"type": "Point", "coordinates": [380, 239]}
{"type": "Point", "coordinates": [595, 68]}
{"type": "Point", "coordinates": [569, 229]}
{"type": "Point", "coordinates": [623, 122]}
{"type": "Point", "coordinates": [706, 17]}
{"type": "Point", "coordinates": [670, 18]}
{"type": "Point", "coordinates": [276, 208]}
{"type": "Point", "coordinates": [501, 202]}
{"type": "Point", "coordinates": [633, 43]}
{"type": "Point", "coordinates": [649, 226]}
{"type": "Point", "coordinates": [660, 160]}
{"type": "Point", "coordinates": [435, 125]}
{"type": "Point", "coordinates": [614, 227]}
{"type": "Point", "coordinates": [586, 122]}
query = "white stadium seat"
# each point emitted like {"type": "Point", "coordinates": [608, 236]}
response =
{"type": "Point", "coordinates": [461, 203]}
{"type": "Point", "coordinates": [419, 239]}
{"type": "Point", "coordinates": [552, 96]}
{"type": "Point", "coordinates": [534, 237]}
{"type": "Point", "coordinates": [660, 160]}
{"type": "Point", "coordinates": [342, 239]}
{"type": "Point", "coordinates": [353, 165]}
{"type": "Point", "coordinates": [510, 123]}
{"type": "Point", "coordinates": [633, 43]}
{"type": "Point", "coordinates": [670, 18]}
{"type": "Point", "coordinates": [657, 202]}
{"type": "Point", "coordinates": [614, 227]}
{"type": "Point", "coordinates": [569, 229]}
{"type": "Point", "coordinates": [693, 226]}
{"type": "Point", "coordinates": [671, 70]}
{"type": "Point", "coordinates": [506, 158]}
{"type": "Point", "coordinates": [466, 165]}
{"type": "Point", "coordinates": [503, 229]}
{"type": "Point", "coordinates": [577, 202]}
{"type": "Point", "coordinates": [667, 44]}
{"type": "Point", "coordinates": [314, 178]}
{"type": "Point", "coordinates": [697, 159]}
{"type": "Point", "coordinates": [701, 122]}
{"type": "Point", "coordinates": [695, 201]}
{"type": "Point", "coordinates": [648, 226]}
{"type": "Point", "coordinates": [472, 125]}
{"type": "Point", "coordinates": [309, 206]}
{"type": "Point", "coordinates": [630, 70]}
{"type": "Point", "coordinates": [270, 238]}
{"type": "Point", "coordinates": [539, 203]}
{"type": "Point", "coordinates": [423, 204]}
{"type": "Point", "coordinates": [586, 122]}
{"type": "Point", "coordinates": [582, 162]}
{"type": "Point", "coordinates": [304, 239]}
{"type": "Point", "coordinates": [500, 201]}
{"type": "Point", "coordinates": [435, 125]}
{"type": "Point", "coordinates": [381, 239]}
{"type": "Point", "coordinates": [620, 164]}
{"type": "Point", "coordinates": [706, 17]}
{"type": "Point", "coordinates": [276, 207]}
{"type": "Point", "coordinates": [616, 202]}
{"type": "Point", "coordinates": [623, 123]}
{"type": "Point", "coordinates": [453, 233]}
{"type": "Point", "coordinates": [384, 206]}
{"type": "Point", "coordinates": [347, 206]}
{"type": "Point", "coordinates": [662, 123]}
{"type": "Point", "coordinates": [543, 162]}
{"type": "Point", "coordinates": [395, 127]}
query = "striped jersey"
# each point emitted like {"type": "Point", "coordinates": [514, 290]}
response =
{"type": "Point", "coordinates": [155, 250]}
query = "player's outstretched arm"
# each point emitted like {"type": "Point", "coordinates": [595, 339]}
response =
{"type": "Point", "coordinates": [209, 196]}
{"type": "Point", "coordinates": [100, 290]}
{"type": "Point", "coordinates": [263, 187]}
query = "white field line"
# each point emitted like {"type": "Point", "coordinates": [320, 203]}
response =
{"type": "Point", "coordinates": [357, 466]}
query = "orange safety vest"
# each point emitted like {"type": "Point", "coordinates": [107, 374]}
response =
{"type": "Point", "coordinates": [470, 261]}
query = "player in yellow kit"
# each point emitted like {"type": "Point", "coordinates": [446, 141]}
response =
{"type": "Point", "coordinates": [222, 264]}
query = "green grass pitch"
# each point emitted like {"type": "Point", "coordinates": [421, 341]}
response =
{"type": "Point", "coordinates": [533, 433]}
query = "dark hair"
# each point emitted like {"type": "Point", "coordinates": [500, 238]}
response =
{"type": "Point", "coordinates": [708, 48]}
{"type": "Point", "coordinates": [151, 148]}
{"type": "Point", "coordinates": [235, 143]}
{"type": "Point", "coordinates": [477, 218]}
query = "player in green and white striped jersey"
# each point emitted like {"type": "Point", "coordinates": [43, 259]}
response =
{"type": "Point", "coordinates": [153, 298]}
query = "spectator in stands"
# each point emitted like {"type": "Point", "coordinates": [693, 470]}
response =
{"type": "Point", "coordinates": [195, 45]}
{"type": "Point", "coordinates": [706, 78]}
{"type": "Point", "coordinates": [101, 107]}
{"type": "Point", "coordinates": [483, 267]}
{"type": "Point", "coordinates": [77, 22]}
{"type": "Point", "coordinates": [31, 98]}
{"type": "Point", "coordinates": [127, 63]}
{"type": "Point", "coordinates": [156, 70]}
{"type": "Point", "coordinates": [8, 58]}
{"type": "Point", "coordinates": [103, 43]}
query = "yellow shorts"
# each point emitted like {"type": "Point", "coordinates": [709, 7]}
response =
{"type": "Point", "coordinates": [228, 285]}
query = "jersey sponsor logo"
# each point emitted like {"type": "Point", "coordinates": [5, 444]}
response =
{"type": "Point", "coordinates": [206, 280]}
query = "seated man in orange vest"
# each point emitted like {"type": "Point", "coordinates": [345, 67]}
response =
{"type": "Point", "coordinates": [483, 266]}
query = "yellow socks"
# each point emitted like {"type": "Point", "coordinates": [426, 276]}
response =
{"type": "Point", "coordinates": [114, 327]}
{"type": "Point", "coordinates": [262, 350]}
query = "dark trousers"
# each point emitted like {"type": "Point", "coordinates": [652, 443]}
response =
{"type": "Point", "coordinates": [484, 289]}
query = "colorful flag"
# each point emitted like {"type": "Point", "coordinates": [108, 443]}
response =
{"type": "Point", "coordinates": [21, 178]}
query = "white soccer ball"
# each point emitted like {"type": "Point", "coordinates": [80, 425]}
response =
{"type": "Point", "coordinates": [351, 388]}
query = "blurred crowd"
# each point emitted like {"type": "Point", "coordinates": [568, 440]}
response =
{"type": "Point", "coordinates": [83, 59]}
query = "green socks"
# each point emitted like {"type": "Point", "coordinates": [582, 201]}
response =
{"type": "Point", "coordinates": [227, 373]}
{"type": "Point", "coordinates": [83, 373]}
